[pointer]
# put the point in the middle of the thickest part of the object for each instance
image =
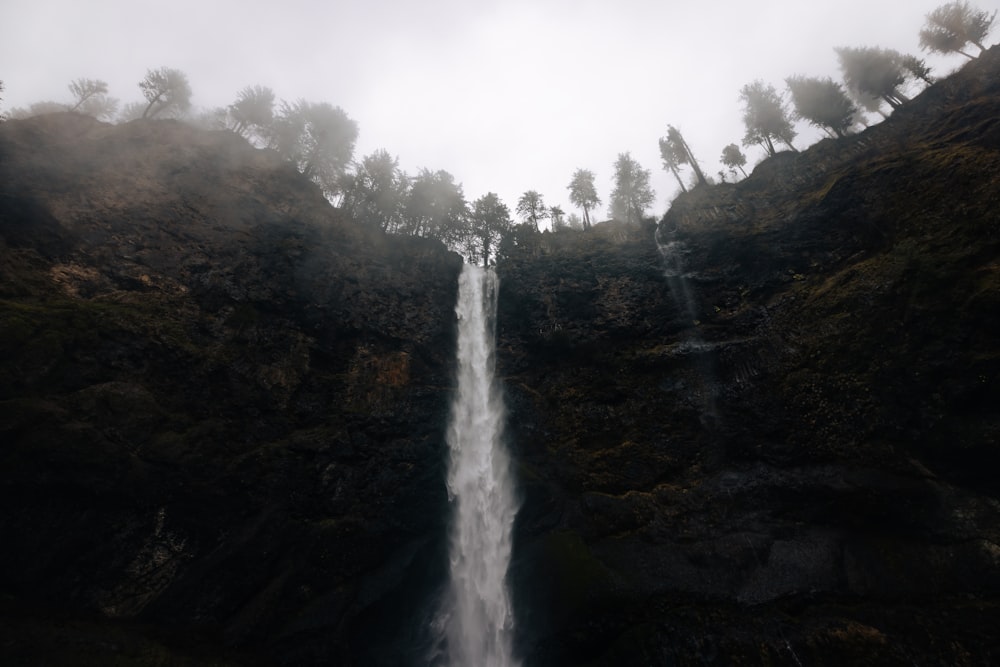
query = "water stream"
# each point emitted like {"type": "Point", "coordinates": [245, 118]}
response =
{"type": "Point", "coordinates": [476, 620]}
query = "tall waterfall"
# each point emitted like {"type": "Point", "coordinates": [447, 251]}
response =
{"type": "Point", "coordinates": [477, 618]}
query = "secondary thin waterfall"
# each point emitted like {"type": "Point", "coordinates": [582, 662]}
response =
{"type": "Point", "coordinates": [477, 618]}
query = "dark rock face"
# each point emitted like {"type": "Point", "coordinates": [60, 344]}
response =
{"type": "Point", "coordinates": [222, 407]}
{"type": "Point", "coordinates": [771, 438]}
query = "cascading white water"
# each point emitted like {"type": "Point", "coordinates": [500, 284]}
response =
{"type": "Point", "coordinates": [477, 618]}
{"type": "Point", "coordinates": [672, 253]}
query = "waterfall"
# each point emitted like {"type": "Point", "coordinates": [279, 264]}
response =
{"type": "Point", "coordinates": [672, 253]}
{"type": "Point", "coordinates": [476, 619]}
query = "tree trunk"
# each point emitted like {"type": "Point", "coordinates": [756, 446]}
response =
{"type": "Point", "coordinates": [677, 175]}
{"type": "Point", "coordinates": [691, 160]}
{"type": "Point", "coordinates": [150, 106]}
{"type": "Point", "coordinates": [769, 146]}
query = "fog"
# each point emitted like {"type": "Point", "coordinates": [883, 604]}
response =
{"type": "Point", "coordinates": [508, 96]}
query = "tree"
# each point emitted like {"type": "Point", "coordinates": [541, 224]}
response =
{"type": "Point", "coordinates": [318, 138]}
{"type": "Point", "coordinates": [84, 90]}
{"type": "Point", "coordinates": [671, 161]}
{"type": "Point", "coordinates": [917, 68]}
{"type": "Point", "coordinates": [765, 117]}
{"type": "Point", "coordinates": [166, 90]}
{"type": "Point", "coordinates": [734, 158]}
{"type": "Point", "coordinates": [101, 107]}
{"type": "Point", "coordinates": [375, 192]}
{"type": "Point", "coordinates": [531, 208]}
{"type": "Point", "coordinates": [435, 206]}
{"type": "Point", "coordinates": [583, 194]}
{"type": "Point", "coordinates": [490, 222]}
{"type": "Point", "coordinates": [632, 194]}
{"type": "Point", "coordinates": [556, 213]}
{"type": "Point", "coordinates": [2, 117]}
{"type": "Point", "coordinates": [950, 27]}
{"type": "Point", "coordinates": [874, 72]}
{"type": "Point", "coordinates": [252, 112]}
{"type": "Point", "coordinates": [675, 151]}
{"type": "Point", "coordinates": [822, 102]}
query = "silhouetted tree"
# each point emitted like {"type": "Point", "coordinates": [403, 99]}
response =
{"type": "Point", "coordinates": [950, 27]}
{"type": "Point", "coordinates": [489, 223]}
{"type": "Point", "coordinates": [101, 107]}
{"type": "Point", "coordinates": [85, 89]}
{"type": "Point", "coordinates": [318, 138]}
{"type": "Point", "coordinates": [435, 206]}
{"type": "Point", "coordinates": [2, 116]}
{"type": "Point", "coordinates": [671, 161]}
{"type": "Point", "coordinates": [874, 72]}
{"type": "Point", "coordinates": [765, 117]}
{"type": "Point", "coordinates": [734, 158]}
{"type": "Point", "coordinates": [917, 68]}
{"type": "Point", "coordinates": [531, 208]}
{"type": "Point", "coordinates": [583, 194]}
{"type": "Point", "coordinates": [632, 194]}
{"type": "Point", "coordinates": [678, 149]}
{"type": "Point", "coordinates": [253, 111]}
{"type": "Point", "coordinates": [166, 90]}
{"type": "Point", "coordinates": [822, 102]}
{"type": "Point", "coordinates": [375, 192]}
{"type": "Point", "coordinates": [556, 213]}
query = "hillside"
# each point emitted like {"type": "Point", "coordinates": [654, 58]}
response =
{"type": "Point", "coordinates": [759, 431]}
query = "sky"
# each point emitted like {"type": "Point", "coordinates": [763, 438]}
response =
{"type": "Point", "coordinates": [506, 95]}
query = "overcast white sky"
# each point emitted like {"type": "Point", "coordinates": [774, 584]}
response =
{"type": "Point", "coordinates": [507, 95]}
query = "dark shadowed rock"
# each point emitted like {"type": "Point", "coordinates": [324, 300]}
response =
{"type": "Point", "coordinates": [765, 430]}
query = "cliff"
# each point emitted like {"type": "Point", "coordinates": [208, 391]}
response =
{"type": "Point", "coordinates": [759, 431]}
{"type": "Point", "coordinates": [221, 405]}
{"type": "Point", "coordinates": [769, 436]}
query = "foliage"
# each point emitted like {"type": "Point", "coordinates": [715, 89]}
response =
{"type": "Point", "coordinates": [36, 109]}
{"type": "Point", "coordinates": [822, 102]}
{"type": "Point", "coordinates": [917, 67]}
{"type": "Point", "coordinates": [92, 99]}
{"type": "Point", "coordinates": [632, 193]}
{"type": "Point", "coordinates": [318, 138]}
{"type": "Point", "coordinates": [734, 158]}
{"type": "Point", "coordinates": [558, 221]}
{"type": "Point", "coordinates": [435, 206]}
{"type": "Point", "coordinates": [166, 90]}
{"type": "Point", "coordinates": [130, 111]}
{"type": "Point", "coordinates": [531, 208]}
{"type": "Point", "coordinates": [583, 194]}
{"type": "Point", "coordinates": [874, 72]}
{"type": "Point", "coordinates": [950, 27]}
{"type": "Point", "coordinates": [375, 192]}
{"type": "Point", "coordinates": [253, 111]}
{"type": "Point", "coordinates": [678, 149]}
{"type": "Point", "coordinates": [671, 161]}
{"type": "Point", "coordinates": [489, 223]}
{"type": "Point", "coordinates": [765, 117]}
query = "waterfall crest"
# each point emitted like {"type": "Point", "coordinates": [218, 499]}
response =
{"type": "Point", "coordinates": [477, 618]}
